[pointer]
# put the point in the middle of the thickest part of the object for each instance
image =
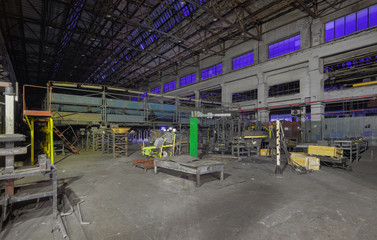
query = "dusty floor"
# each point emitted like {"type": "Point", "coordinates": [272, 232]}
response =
{"type": "Point", "coordinates": [123, 202]}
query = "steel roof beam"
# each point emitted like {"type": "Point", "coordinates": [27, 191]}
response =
{"type": "Point", "coordinates": [307, 9]}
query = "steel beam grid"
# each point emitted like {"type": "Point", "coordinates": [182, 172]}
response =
{"type": "Point", "coordinates": [103, 33]}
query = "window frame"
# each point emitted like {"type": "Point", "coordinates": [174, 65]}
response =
{"type": "Point", "coordinates": [284, 92]}
{"type": "Point", "coordinates": [191, 75]}
{"type": "Point", "coordinates": [154, 92]}
{"type": "Point", "coordinates": [241, 55]}
{"type": "Point", "coordinates": [208, 68]}
{"type": "Point", "coordinates": [255, 92]}
{"type": "Point", "coordinates": [169, 88]}
{"type": "Point", "coordinates": [281, 41]}
{"type": "Point", "coordinates": [352, 20]}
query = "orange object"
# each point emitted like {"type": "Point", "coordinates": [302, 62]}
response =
{"type": "Point", "coordinates": [37, 112]}
{"type": "Point", "coordinates": [144, 163]}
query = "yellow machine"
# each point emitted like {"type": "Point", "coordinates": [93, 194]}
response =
{"type": "Point", "coordinates": [325, 151]}
{"type": "Point", "coordinates": [162, 146]}
{"type": "Point", "coordinates": [45, 116]}
{"type": "Point", "coordinates": [48, 142]}
{"type": "Point", "coordinates": [269, 127]}
{"type": "Point", "coordinates": [304, 160]}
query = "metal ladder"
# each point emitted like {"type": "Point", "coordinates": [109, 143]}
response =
{"type": "Point", "coordinates": [65, 140]}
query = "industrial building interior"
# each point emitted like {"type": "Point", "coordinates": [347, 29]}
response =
{"type": "Point", "coordinates": [188, 119]}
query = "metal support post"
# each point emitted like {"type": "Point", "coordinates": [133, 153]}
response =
{"type": "Point", "coordinates": [32, 140]}
{"type": "Point", "coordinates": [9, 125]}
{"type": "Point", "coordinates": [51, 131]}
{"type": "Point", "coordinates": [194, 137]}
{"type": "Point", "coordinates": [9, 129]}
{"type": "Point", "coordinates": [54, 179]}
{"type": "Point", "coordinates": [278, 169]}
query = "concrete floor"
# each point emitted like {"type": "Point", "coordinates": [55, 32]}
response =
{"type": "Point", "coordinates": [123, 202]}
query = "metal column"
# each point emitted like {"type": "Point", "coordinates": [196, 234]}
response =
{"type": "Point", "coordinates": [194, 137]}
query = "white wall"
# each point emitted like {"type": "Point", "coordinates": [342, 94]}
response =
{"type": "Point", "coordinates": [305, 65]}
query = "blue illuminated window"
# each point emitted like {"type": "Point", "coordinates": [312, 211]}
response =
{"type": "Point", "coordinates": [170, 86]}
{"type": "Point", "coordinates": [211, 71]}
{"type": "Point", "coordinates": [244, 60]}
{"type": "Point", "coordinates": [133, 98]}
{"type": "Point", "coordinates": [187, 80]}
{"type": "Point", "coordinates": [142, 96]}
{"type": "Point", "coordinates": [339, 28]}
{"type": "Point", "coordinates": [373, 16]}
{"type": "Point", "coordinates": [351, 23]}
{"type": "Point", "coordinates": [283, 47]}
{"type": "Point", "coordinates": [362, 19]}
{"type": "Point", "coordinates": [329, 28]}
{"type": "Point", "coordinates": [156, 90]}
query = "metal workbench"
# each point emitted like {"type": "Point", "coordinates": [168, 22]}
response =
{"type": "Point", "coordinates": [352, 148]}
{"type": "Point", "coordinates": [7, 200]}
{"type": "Point", "coordinates": [191, 165]}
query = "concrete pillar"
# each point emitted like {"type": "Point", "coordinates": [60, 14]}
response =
{"type": "Point", "coordinates": [316, 94]}
{"type": "Point", "coordinates": [262, 51]}
{"type": "Point", "coordinates": [317, 112]}
{"type": "Point", "coordinates": [224, 94]}
{"type": "Point", "coordinates": [315, 131]}
{"type": "Point", "coordinates": [227, 63]}
{"type": "Point", "coordinates": [262, 91]}
{"type": "Point", "coordinates": [197, 97]}
{"type": "Point", "coordinates": [305, 33]}
{"type": "Point", "coordinates": [9, 110]}
{"type": "Point", "coordinates": [303, 124]}
{"type": "Point", "coordinates": [9, 129]}
{"type": "Point", "coordinates": [316, 32]}
{"type": "Point", "coordinates": [263, 116]}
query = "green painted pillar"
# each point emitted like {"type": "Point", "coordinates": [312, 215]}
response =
{"type": "Point", "coordinates": [194, 137]}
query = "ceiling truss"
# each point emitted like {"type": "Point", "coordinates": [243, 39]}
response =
{"type": "Point", "coordinates": [130, 42]}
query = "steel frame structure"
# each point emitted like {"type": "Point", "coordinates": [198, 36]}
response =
{"type": "Point", "coordinates": [128, 42]}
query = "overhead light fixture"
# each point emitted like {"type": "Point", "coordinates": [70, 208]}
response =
{"type": "Point", "coordinates": [183, 2]}
{"type": "Point", "coordinates": [243, 33]}
{"type": "Point", "coordinates": [92, 39]}
{"type": "Point", "coordinates": [44, 61]}
{"type": "Point", "coordinates": [108, 15]}
{"type": "Point", "coordinates": [136, 92]}
{"type": "Point", "coordinates": [149, 30]}
{"type": "Point", "coordinates": [64, 84]}
{"type": "Point", "coordinates": [215, 19]}
{"type": "Point", "coordinates": [75, 66]}
{"type": "Point", "coordinates": [82, 55]}
{"type": "Point", "coordinates": [116, 89]}
{"type": "Point", "coordinates": [91, 86]}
